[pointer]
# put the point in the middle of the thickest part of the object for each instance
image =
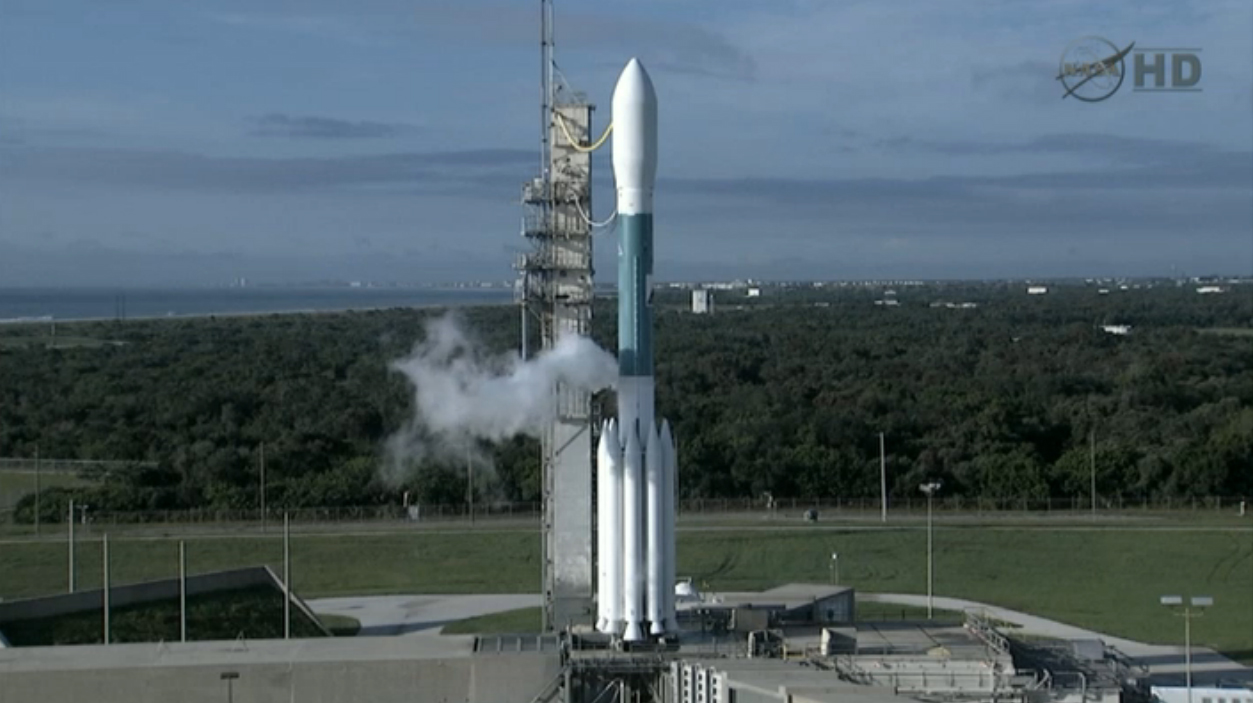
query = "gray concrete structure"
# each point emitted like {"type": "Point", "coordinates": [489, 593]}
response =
{"type": "Point", "coordinates": [812, 604]}
{"type": "Point", "coordinates": [377, 670]}
{"type": "Point", "coordinates": [1164, 662]}
{"type": "Point", "coordinates": [419, 615]}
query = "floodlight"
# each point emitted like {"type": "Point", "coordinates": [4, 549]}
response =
{"type": "Point", "coordinates": [1202, 601]}
{"type": "Point", "coordinates": [1172, 600]}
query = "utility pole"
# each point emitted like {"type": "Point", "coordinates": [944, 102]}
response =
{"type": "Point", "coordinates": [470, 484]}
{"type": "Point", "coordinates": [883, 481]}
{"type": "Point", "coordinates": [105, 566]}
{"type": "Point", "coordinates": [1192, 609]}
{"type": "Point", "coordinates": [286, 577]}
{"type": "Point", "coordinates": [182, 591]}
{"type": "Point", "coordinates": [1092, 465]}
{"type": "Point", "coordinates": [263, 486]}
{"type": "Point", "coordinates": [930, 560]}
{"type": "Point", "coordinates": [930, 489]}
{"type": "Point", "coordinates": [36, 489]}
{"type": "Point", "coordinates": [71, 545]}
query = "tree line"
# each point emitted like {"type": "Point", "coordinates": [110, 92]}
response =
{"type": "Point", "coordinates": [786, 393]}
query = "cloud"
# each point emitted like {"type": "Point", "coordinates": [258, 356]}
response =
{"type": "Point", "coordinates": [481, 170]}
{"type": "Point", "coordinates": [1112, 147]}
{"type": "Point", "coordinates": [307, 126]}
{"type": "Point", "coordinates": [1031, 80]}
{"type": "Point", "coordinates": [314, 26]}
{"type": "Point", "coordinates": [667, 44]}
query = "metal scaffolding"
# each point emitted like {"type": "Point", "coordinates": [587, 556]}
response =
{"type": "Point", "coordinates": [555, 294]}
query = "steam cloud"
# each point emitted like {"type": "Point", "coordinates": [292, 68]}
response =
{"type": "Point", "coordinates": [462, 395]}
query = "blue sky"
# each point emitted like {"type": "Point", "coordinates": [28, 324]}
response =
{"type": "Point", "coordinates": [158, 142]}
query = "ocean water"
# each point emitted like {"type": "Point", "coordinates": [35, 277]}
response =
{"type": "Point", "coordinates": [31, 304]}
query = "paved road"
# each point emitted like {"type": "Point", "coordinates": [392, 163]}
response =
{"type": "Point", "coordinates": [419, 614]}
{"type": "Point", "coordinates": [1164, 661]}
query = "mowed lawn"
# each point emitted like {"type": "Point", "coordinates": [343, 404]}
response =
{"type": "Point", "coordinates": [1107, 579]}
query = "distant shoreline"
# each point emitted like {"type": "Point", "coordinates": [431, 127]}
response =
{"type": "Point", "coordinates": [84, 306]}
{"type": "Point", "coordinates": [247, 313]}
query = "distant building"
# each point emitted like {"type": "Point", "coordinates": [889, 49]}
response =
{"type": "Point", "coordinates": [1037, 290]}
{"type": "Point", "coordinates": [1203, 290]}
{"type": "Point", "coordinates": [754, 292]}
{"type": "Point", "coordinates": [1117, 329]}
{"type": "Point", "coordinates": [1102, 291]}
{"type": "Point", "coordinates": [889, 302]}
{"type": "Point", "coordinates": [702, 301]}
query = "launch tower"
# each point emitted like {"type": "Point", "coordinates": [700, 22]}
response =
{"type": "Point", "coordinates": [555, 292]}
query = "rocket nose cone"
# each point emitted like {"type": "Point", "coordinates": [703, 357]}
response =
{"type": "Point", "coordinates": [634, 131]}
{"type": "Point", "coordinates": [634, 85]}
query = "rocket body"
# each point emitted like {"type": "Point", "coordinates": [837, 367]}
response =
{"type": "Point", "coordinates": [637, 556]}
{"type": "Point", "coordinates": [635, 173]}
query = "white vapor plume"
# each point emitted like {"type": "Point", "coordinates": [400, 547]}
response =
{"type": "Point", "coordinates": [462, 395]}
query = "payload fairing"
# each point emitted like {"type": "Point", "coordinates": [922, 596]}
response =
{"type": "Point", "coordinates": [637, 462]}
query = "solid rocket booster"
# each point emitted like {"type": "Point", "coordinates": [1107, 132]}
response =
{"type": "Point", "coordinates": [632, 532]}
{"type": "Point", "coordinates": [637, 465]}
{"type": "Point", "coordinates": [604, 535]}
{"type": "Point", "coordinates": [669, 490]}
{"type": "Point", "coordinates": [654, 571]}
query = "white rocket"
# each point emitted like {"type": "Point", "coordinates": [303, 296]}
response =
{"type": "Point", "coordinates": [637, 462]}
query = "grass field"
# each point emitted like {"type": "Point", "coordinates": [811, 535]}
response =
{"type": "Point", "coordinates": [1107, 579]}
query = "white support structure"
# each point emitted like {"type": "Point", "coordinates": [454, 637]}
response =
{"type": "Point", "coordinates": [555, 291]}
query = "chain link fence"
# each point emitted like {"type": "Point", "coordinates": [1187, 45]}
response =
{"type": "Point", "coordinates": [695, 509]}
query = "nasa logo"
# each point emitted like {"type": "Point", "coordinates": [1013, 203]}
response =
{"type": "Point", "coordinates": [1093, 68]}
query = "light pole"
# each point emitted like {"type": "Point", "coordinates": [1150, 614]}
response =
{"type": "Point", "coordinates": [1092, 469]}
{"type": "Point", "coordinates": [883, 482]}
{"type": "Point", "coordinates": [835, 568]}
{"type": "Point", "coordinates": [930, 489]}
{"type": "Point", "coordinates": [1192, 609]}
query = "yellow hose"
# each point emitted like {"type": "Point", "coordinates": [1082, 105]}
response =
{"type": "Point", "coordinates": [561, 122]}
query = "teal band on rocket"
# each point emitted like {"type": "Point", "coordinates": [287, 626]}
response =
{"type": "Point", "coordinates": [635, 273]}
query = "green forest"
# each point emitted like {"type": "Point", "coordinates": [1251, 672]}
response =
{"type": "Point", "coordinates": [784, 393]}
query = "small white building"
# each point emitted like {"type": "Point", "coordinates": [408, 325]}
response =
{"type": "Point", "coordinates": [754, 292]}
{"type": "Point", "coordinates": [1037, 290]}
{"type": "Point", "coordinates": [1204, 290]}
{"type": "Point", "coordinates": [702, 301]}
{"type": "Point", "coordinates": [1122, 330]}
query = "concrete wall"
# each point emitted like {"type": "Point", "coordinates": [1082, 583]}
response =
{"type": "Point", "coordinates": [493, 679]}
